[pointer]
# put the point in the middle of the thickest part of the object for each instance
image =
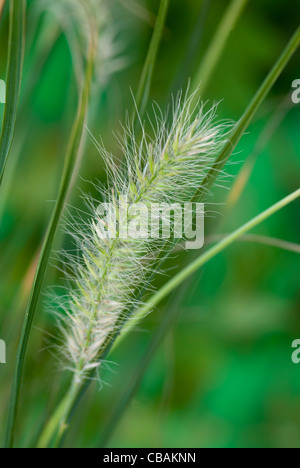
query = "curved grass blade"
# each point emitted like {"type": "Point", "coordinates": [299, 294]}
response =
{"type": "Point", "coordinates": [263, 240]}
{"type": "Point", "coordinates": [245, 173]}
{"type": "Point", "coordinates": [169, 318]}
{"type": "Point", "coordinates": [193, 47]}
{"type": "Point", "coordinates": [248, 115]}
{"type": "Point", "coordinates": [143, 91]}
{"type": "Point", "coordinates": [13, 80]}
{"type": "Point", "coordinates": [218, 44]}
{"type": "Point", "coordinates": [68, 173]}
{"type": "Point", "coordinates": [36, 68]}
{"type": "Point", "coordinates": [199, 262]}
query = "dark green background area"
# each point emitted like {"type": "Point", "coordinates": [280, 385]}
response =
{"type": "Point", "coordinates": [224, 376]}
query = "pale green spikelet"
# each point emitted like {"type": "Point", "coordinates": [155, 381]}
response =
{"type": "Point", "coordinates": [169, 167]}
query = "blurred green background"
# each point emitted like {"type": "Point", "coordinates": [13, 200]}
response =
{"type": "Point", "coordinates": [223, 377]}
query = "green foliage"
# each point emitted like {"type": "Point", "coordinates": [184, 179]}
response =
{"type": "Point", "coordinates": [223, 375]}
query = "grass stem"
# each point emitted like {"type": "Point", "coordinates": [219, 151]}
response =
{"type": "Point", "coordinates": [212, 252]}
{"type": "Point", "coordinates": [72, 157]}
{"type": "Point", "coordinates": [214, 52]}
{"type": "Point", "coordinates": [16, 46]}
{"type": "Point", "coordinates": [143, 91]}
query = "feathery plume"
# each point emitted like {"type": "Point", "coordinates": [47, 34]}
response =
{"type": "Point", "coordinates": [168, 168]}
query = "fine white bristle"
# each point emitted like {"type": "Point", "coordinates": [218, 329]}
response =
{"type": "Point", "coordinates": [109, 272]}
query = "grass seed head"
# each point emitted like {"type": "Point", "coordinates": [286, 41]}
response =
{"type": "Point", "coordinates": [108, 274]}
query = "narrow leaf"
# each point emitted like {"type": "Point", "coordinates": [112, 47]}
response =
{"type": "Point", "coordinates": [13, 80]}
{"type": "Point", "coordinates": [68, 173]}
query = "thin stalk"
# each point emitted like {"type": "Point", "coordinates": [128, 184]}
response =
{"type": "Point", "coordinates": [245, 173]}
{"type": "Point", "coordinates": [29, 85]}
{"type": "Point", "coordinates": [168, 319]}
{"type": "Point", "coordinates": [47, 434]}
{"type": "Point", "coordinates": [65, 410]}
{"type": "Point", "coordinates": [192, 48]}
{"type": "Point", "coordinates": [214, 52]}
{"type": "Point", "coordinates": [211, 253]}
{"type": "Point", "coordinates": [248, 115]}
{"type": "Point", "coordinates": [264, 240]}
{"type": "Point", "coordinates": [211, 178]}
{"type": "Point", "coordinates": [72, 157]}
{"type": "Point", "coordinates": [143, 91]}
{"type": "Point", "coordinates": [14, 75]}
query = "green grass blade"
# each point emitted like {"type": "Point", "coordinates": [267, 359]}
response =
{"type": "Point", "coordinates": [263, 240]}
{"type": "Point", "coordinates": [214, 52]}
{"type": "Point", "coordinates": [193, 47]}
{"type": "Point", "coordinates": [143, 91]}
{"type": "Point", "coordinates": [248, 115]}
{"type": "Point", "coordinates": [199, 262]}
{"type": "Point", "coordinates": [13, 80]}
{"type": "Point", "coordinates": [46, 44]}
{"type": "Point", "coordinates": [169, 318]}
{"type": "Point", "coordinates": [245, 173]}
{"type": "Point", "coordinates": [69, 168]}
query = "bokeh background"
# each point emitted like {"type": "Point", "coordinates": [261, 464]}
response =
{"type": "Point", "coordinates": [223, 377]}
